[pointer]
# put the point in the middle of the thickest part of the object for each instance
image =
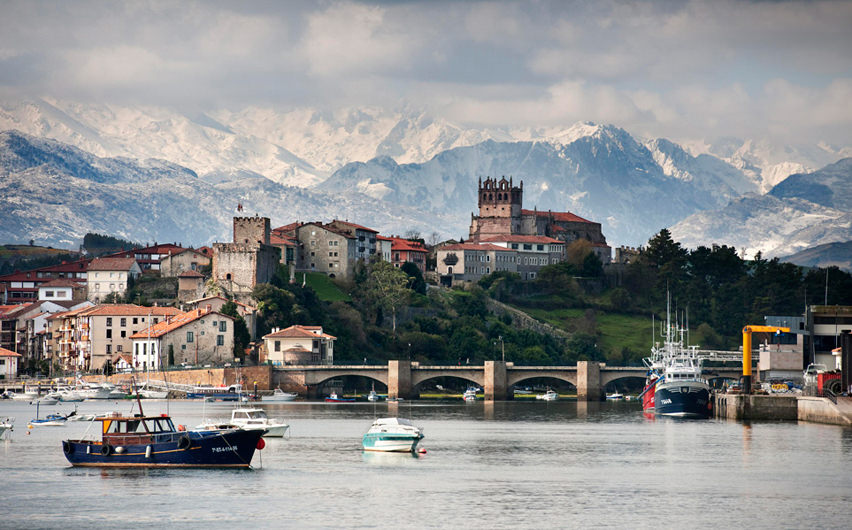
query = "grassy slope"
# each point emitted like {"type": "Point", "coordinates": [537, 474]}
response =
{"type": "Point", "coordinates": [616, 330]}
{"type": "Point", "coordinates": [325, 288]}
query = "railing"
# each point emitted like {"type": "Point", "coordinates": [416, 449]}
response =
{"type": "Point", "coordinates": [813, 391]}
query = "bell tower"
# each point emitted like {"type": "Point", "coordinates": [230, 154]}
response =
{"type": "Point", "coordinates": [500, 198]}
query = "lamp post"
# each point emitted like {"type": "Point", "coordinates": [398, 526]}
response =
{"type": "Point", "coordinates": [502, 347]}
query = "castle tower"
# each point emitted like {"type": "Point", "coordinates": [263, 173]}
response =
{"type": "Point", "coordinates": [252, 231]}
{"type": "Point", "coordinates": [500, 198]}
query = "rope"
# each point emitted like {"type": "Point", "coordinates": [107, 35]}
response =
{"type": "Point", "coordinates": [222, 435]}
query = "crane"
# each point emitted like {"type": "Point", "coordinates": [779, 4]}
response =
{"type": "Point", "coordinates": [747, 331]}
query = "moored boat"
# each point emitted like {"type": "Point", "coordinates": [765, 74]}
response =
{"type": "Point", "coordinates": [279, 395]}
{"type": "Point", "coordinates": [256, 419]}
{"type": "Point", "coordinates": [615, 396]}
{"type": "Point", "coordinates": [392, 435]}
{"type": "Point", "coordinates": [153, 441]}
{"type": "Point", "coordinates": [550, 395]}
{"type": "Point", "coordinates": [7, 425]}
{"type": "Point", "coordinates": [334, 398]}
{"type": "Point", "coordinates": [681, 391]}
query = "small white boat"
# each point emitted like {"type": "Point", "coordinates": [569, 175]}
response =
{"type": "Point", "coordinates": [372, 396]}
{"type": "Point", "coordinates": [615, 396]}
{"type": "Point", "coordinates": [49, 399]}
{"type": "Point", "coordinates": [24, 396]}
{"type": "Point", "coordinates": [279, 395]}
{"type": "Point", "coordinates": [550, 395]}
{"type": "Point", "coordinates": [149, 393]}
{"type": "Point", "coordinates": [469, 394]}
{"type": "Point", "coordinates": [256, 419]}
{"type": "Point", "coordinates": [397, 435]}
{"type": "Point", "coordinates": [6, 425]}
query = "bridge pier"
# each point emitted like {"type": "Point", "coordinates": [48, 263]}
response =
{"type": "Point", "coordinates": [399, 379]}
{"type": "Point", "coordinates": [495, 381]}
{"type": "Point", "coordinates": [589, 386]}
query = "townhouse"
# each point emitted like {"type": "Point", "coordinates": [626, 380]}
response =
{"type": "Point", "coordinates": [197, 337]}
{"type": "Point", "coordinates": [299, 345]}
{"type": "Point", "coordinates": [110, 275]}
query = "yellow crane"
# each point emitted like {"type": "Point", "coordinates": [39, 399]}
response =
{"type": "Point", "coordinates": [747, 331]}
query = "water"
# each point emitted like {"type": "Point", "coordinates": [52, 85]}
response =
{"type": "Point", "coordinates": [509, 464]}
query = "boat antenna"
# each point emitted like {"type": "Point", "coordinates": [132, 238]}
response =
{"type": "Point", "coordinates": [136, 391]}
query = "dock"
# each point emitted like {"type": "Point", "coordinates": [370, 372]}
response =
{"type": "Point", "coordinates": [783, 408]}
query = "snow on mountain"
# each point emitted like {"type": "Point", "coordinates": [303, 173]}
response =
{"type": "Point", "coordinates": [200, 143]}
{"type": "Point", "coordinates": [603, 174]}
{"type": "Point", "coordinates": [802, 211]}
{"type": "Point", "coordinates": [827, 255]}
{"type": "Point", "coordinates": [55, 193]}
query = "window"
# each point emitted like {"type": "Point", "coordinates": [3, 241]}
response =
{"type": "Point", "coordinates": [539, 247]}
{"type": "Point", "coordinates": [109, 349]}
{"type": "Point", "coordinates": [277, 345]}
{"type": "Point", "coordinates": [527, 246]}
{"type": "Point", "coordinates": [155, 320]}
{"type": "Point", "coordinates": [190, 336]}
{"type": "Point", "coordinates": [109, 321]}
{"type": "Point", "coordinates": [48, 294]}
{"type": "Point", "coordinates": [220, 340]}
{"type": "Point", "coordinates": [515, 246]}
{"type": "Point", "coordinates": [119, 347]}
{"type": "Point", "coordinates": [123, 334]}
{"type": "Point", "coordinates": [123, 322]}
{"type": "Point", "coordinates": [109, 333]}
{"type": "Point", "coordinates": [135, 320]}
{"type": "Point", "coordinates": [215, 323]}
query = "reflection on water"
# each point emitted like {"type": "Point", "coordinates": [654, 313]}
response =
{"type": "Point", "coordinates": [530, 464]}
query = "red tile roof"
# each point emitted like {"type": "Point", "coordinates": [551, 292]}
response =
{"type": "Point", "coordinates": [129, 310]}
{"type": "Point", "coordinates": [299, 332]}
{"type": "Point", "coordinates": [290, 228]}
{"type": "Point", "coordinates": [190, 274]}
{"type": "Point", "coordinates": [111, 264]}
{"type": "Point", "coordinates": [557, 216]}
{"type": "Point", "coordinates": [280, 239]}
{"type": "Point", "coordinates": [8, 353]}
{"type": "Point", "coordinates": [353, 225]}
{"type": "Point", "coordinates": [166, 326]}
{"type": "Point", "coordinates": [403, 245]}
{"type": "Point", "coordinates": [64, 282]}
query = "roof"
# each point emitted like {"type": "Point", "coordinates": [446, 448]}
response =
{"type": "Point", "coordinates": [287, 228]}
{"type": "Point", "coordinates": [64, 282]}
{"type": "Point", "coordinates": [111, 264]}
{"type": "Point", "coordinates": [405, 245]}
{"type": "Point", "coordinates": [353, 225]}
{"type": "Point", "coordinates": [129, 310]}
{"type": "Point", "coordinates": [8, 353]}
{"type": "Point", "coordinates": [282, 239]}
{"type": "Point", "coordinates": [190, 274]}
{"type": "Point", "coordinates": [163, 248]}
{"type": "Point", "coordinates": [557, 216]}
{"type": "Point", "coordinates": [331, 229]}
{"type": "Point", "coordinates": [182, 251]}
{"type": "Point", "coordinates": [519, 238]}
{"type": "Point", "coordinates": [476, 246]}
{"type": "Point", "coordinates": [126, 357]}
{"type": "Point", "coordinates": [167, 326]}
{"type": "Point", "coordinates": [298, 332]}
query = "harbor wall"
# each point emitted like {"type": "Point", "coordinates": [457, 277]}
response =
{"type": "Point", "coordinates": [755, 407]}
{"type": "Point", "coordinates": [822, 410]}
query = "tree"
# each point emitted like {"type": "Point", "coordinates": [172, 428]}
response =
{"type": "Point", "coordinates": [242, 337]}
{"type": "Point", "coordinates": [387, 286]}
{"type": "Point", "coordinates": [418, 285]}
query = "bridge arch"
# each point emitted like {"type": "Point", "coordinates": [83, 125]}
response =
{"type": "Point", "coordinates": [472, 376]}
{"type": "Point", "coordinates": [321, 378]}
{"type": "Point", "coordinates": [513, 379]}
{"type": "Point", "coordinates": [608, 376]}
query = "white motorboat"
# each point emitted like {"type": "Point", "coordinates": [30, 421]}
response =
{"type": "Point", "coordinates": [615, 396]}
{"type": "Point", "coordinates": [279, 395]}
{"type": "Point", "coordinates": [48, 399]}
{"type": "Point", "coordinates": [6, 425]}
{"type": "Point", "coordinates": [149, 393]}
{"type": "Point", "coordinates": [28, 395]}
{"type": "Point", "coordinates": [392, 435]}
{"type": "Point", "coordinates": [372, 396]}
{"type": "Point", "coordinates": [469, 394]}
{"type": "Point", "coordinates": [550, 395]}
{"type": "Point", "coordinates": [256, 419]}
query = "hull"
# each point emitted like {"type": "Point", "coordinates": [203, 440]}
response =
{"type": "Point", "coordinates": [648, 401]}
{"type": "Point", "coordinates": [392, 443]}
{"type": "Point", "coordinates": [180, 449]}
{"type": "Point", "coordinates": [339, 400]}
{"type": "Point", "coordinates": [279, 398]}
{"type": "Point", "coordinates": [223, 396]}
{"type": "Point", "coordinates": [686, 399]}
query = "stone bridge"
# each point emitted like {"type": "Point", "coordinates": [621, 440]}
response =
{"type": "Point", "coordinates": [495, 377]}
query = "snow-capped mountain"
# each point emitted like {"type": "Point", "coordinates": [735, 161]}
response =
{"type": "Point", "coordinates": [802, 211]}
{"type": "Point", "coordinates": [602, 174]}
{"type": "Point", "coordinates": [828, 255]}
{"type": "Point", "coordinates": [55, 193]}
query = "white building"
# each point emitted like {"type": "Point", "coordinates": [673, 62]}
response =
{"type": "Point", "coordinates": [109, 275]}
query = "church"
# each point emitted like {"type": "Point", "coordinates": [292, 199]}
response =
{"type": "Point", "coordinates": [501, 213]}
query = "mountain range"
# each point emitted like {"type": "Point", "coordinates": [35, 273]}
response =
{"type": "Point", "coordinates": [155, 174]}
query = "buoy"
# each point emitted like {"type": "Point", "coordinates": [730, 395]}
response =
{"type": "Point", "coordinates": [422, 451]}
{"type": "Point", "coordinates": [181, 428]}
{"type": "Point", "coordinates": [261, 443]}
{"type": "Point", "coordinates": [148, 452]}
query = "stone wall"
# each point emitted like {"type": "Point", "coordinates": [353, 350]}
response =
{"type": "Point", "coordinates": [524, 321]}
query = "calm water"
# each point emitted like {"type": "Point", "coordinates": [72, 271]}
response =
{"type": "Point", "coordinates": [512, 464]}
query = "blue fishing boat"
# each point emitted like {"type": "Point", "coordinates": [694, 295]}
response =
{"type": "Point", "coordinates": [153, 441]}
{"type": "Point", "coordinates": [333, 398]}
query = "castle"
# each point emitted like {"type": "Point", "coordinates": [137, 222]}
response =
{"type": "Point", "coordinates": [501, 213]}
{"type": "Point", "coordinates": [249, 260]}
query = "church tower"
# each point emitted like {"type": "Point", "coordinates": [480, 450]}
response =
{"type": "Point", "coordinates": [499, 208]}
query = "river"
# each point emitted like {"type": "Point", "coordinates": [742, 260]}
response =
{"type": "Point", "coordinates": [563, 464]}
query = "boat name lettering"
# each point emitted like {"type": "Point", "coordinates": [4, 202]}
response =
{"type": "Point", "coordinates": [666, 401]}
{"type": "Point", "coordinates": [224, 449]}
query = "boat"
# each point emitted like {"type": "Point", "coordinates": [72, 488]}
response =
{"type": "Point", "coordinates": [372, 396]}
{"type": "Point", "coordinates": [550, 395]}
{"type": "Point", "coordinates": [48, 399]}
{"type": "Point", "coordinates": [150, 393]}
{"type": "Point", "coordinates": [615, 396]}
{"type": "Point", "coordinates": [469, 394]}
{"type": "Point", "coordinates": [216, 393]}
{"type": "Point", "coordinates": [334, 398]}
{"type": "Point", "coordinates": [7, 425]}
{"type": "Point", "coordinates": [279, 395]}
{"type": "Point", "coordinates": [256, 419]}
{"type": "Point", "coordinates": [51, 420]}
{"type": "Point", "coordinates": [392, 435]}
{"type": "Point", "coordinates": [394, 399]}
{"type": "Point", "coordinates": [153, 441]}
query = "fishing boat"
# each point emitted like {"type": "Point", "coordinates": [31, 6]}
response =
{"type": "Point", "coordinates": [153, 441]}
{"type": "Point", "coordinates": [216, 393]}
{"type": "Point", "coordinates": [334, 398]}
{"type": "Point", "coordinates": [51, 420]}
{"type": "Point", "coordinates": [279, 395]}
{"type": "Point", "coordinates": [397, 435]}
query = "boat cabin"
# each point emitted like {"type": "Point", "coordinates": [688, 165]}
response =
{"type": "Point", "coordinates": [124, 430]}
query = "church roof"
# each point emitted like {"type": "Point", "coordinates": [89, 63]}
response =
{"type": "Point", "coordinates": [565, 217]}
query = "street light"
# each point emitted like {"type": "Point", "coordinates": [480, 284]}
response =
{"type": "Point", "coordinates": [502, 347]}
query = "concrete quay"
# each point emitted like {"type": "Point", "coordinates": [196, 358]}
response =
{"type": "Point", "coordinates": [783, 408]}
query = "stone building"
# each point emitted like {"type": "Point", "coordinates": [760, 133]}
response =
{"type": "Point", "coordinates": [468, 262]}
{"type": "Point", "coordinates": [195, 337]}
{"type": "Point", "coordinates": [249, 260]}
{"type": "Point", "coordinates": [299, 345]}
{"type": "Point", "coordinates": [501, 213]}
{"type": "Point", "coordinates": [533, 252]}
{"type": "Point", "coordinates": [182, 261]}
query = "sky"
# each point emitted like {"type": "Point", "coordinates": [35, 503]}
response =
{"type": "Point", "coordinates": [678, 69]}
